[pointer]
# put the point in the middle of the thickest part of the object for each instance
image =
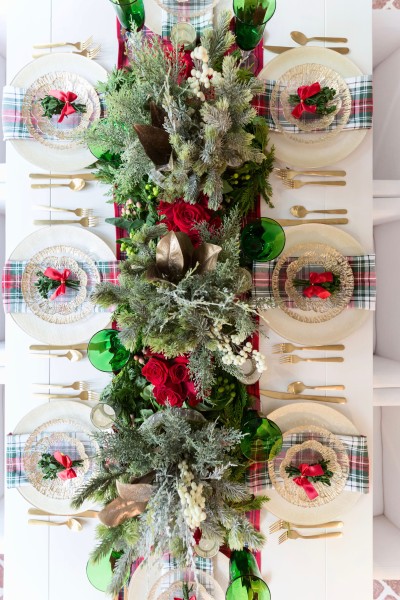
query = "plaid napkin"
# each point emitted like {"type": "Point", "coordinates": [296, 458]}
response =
{"type": "Point", "coordinates": [14, 127]}
{"type": "Point", "coordinates": [13, 299]}
{"type": "Point", "coordinates": [15, 471]}
{"type": "Point", "coordinates": [361, 106]}
{"type": "Point", "coordinates": [357, 451]}
{"type": "Point", "coordinates": [363, 267]}
{"type": "Point", "coordinates": [184, 10]}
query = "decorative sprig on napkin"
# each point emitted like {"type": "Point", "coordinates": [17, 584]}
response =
{"type": "Point", "coordinates": [52, 279]}
{"type": "Point", "coordinates": [313, 99]}
{"type": "Point", "coordinates": [61, 103]}
{"type": "Point", "coordinates": [58, 465]}
{"type": "Point", "coordinates": [324, 477]}
{"type": "Point", "coordinates": [321, 285]}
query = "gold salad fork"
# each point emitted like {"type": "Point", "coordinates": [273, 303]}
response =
{"type": "Point", "coordinates": [82, 386]}
{"type": "Point", "coordinates": [78, 45]}
{"type": "Point", "coordinates": [85, 395]}
{"type": "Point", "coordinates": [291, 534]}
{"type": "Point", "coordinates": [289, 173]}
{"type": "Point", "coordinates": [287, 348]}
{"type": "Point", "coordinates": [281, 524]}
{"type": "Point", "coordinates": [293, 358]}
{"type": "Point", "coordinates": [88, 53]}
{"type": "Point", "coordinates": [72, 355]}
{"type": "Point", "coordinates": [79, 212]}
{"type": "Point", "coordinates": [295, 183]}
{"type": "Point", "coordinates": [85, 222]}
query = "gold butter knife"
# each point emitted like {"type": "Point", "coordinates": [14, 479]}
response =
{"type": "Point", "coordinates": [288, 396]}
{"type": "Point", "coordinates": [89, 514]}
{"type": "Point", "coordinates": [70, 347]}
{"type": "Point", "coordinates": [86, 176]}
{"type": "Point", "coordinates": [289, 222]}
{"type": "Point", "coordinates": [327, 525]}
{"type": "Point", "coordinates": [280, 49]}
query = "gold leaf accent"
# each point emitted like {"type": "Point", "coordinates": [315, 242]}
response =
{"type": "Point", "coordinates": [139, 492]}
{"type": "Point", "coordinates": [206, 256]}
{"type": "Point", "coordinates": [174, 255]}
{"type": "Point", "coordinates": [118, 511]}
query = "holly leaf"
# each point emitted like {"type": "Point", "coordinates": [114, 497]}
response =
{"type": "Point", "coordinates": [125, 223]}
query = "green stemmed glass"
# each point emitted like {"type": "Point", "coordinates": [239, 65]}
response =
{"type": "Point", "coordinates": [100, 573]}
{"type": "Point", "coordinates": [262, 240]}
{"type": "Point", "coordinates": [263, 439]}
{"type": "Point", "coordinates": [251, 19]}
{"type": "Point", "coordinates": [105, 351]}
{"type": "Point", "coordinates": [129, 13]}
{"type": "Point", "coordinates": [245, 578]}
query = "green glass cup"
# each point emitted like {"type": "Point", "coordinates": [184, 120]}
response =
{"type": "Point", "coordinates": [245, 578]}
{"type": "Point", "coordinates": [262, 240]}
{"type": "Point", "coordinates": [105, 351]}
{"type": "Point", "coordinates": [263, 438]}
{"type": "Point", "coordinates": [254, 12]}
{"type": "Point", "coordinates": [248, 35]}
{"type": "Point", "coordinates": [101, 152]}
{"type": "Point", "coordinates": [100, 573]}
{"type": "Point", "coordinates": [129, 13]}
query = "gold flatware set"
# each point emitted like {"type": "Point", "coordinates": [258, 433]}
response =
{"type": "Point", "coordinates": [82, 48]}
{"type": "Point", "coordinates": [81, 346]}
{"type": "Point", "coordinates": [293, 222]}
{"type": "Point", "coordinates": [300, 211]}
{"type": "Point", "coordinates": [71, 355]}
{"type": "Point", "coordinates": [297, 387]}
{"type": "Point", "coordinates": [293, 358]}
{"type": "Point", "coordinates": [85, 176]}
{"type": "Point", "coordinates": [76, 185]}
{"type": "Point", "coordinates": [301, 39]}
{"type": "Point", "coordinates": [290, 173]}
{"type": "Point", "coordinates": [87, 514]}
{"type": "Point", "coordinates": [72, 524]}
{"type": "Point", "coordinates": [79, 212]}
{"type": "Point", "coordinates": [82, 386]}
{"type": "Point", "coordinates": [292, 534]}
{"type": "Point", "coordinates": [281, 49]}
{"type": "Point", "coordinates": [84, 222]}
{"type": "Point", "coordinates": [85, 395]}
{"type": "Point", "coordinates": [288, 396]}
{"type": "Point", "coordinates": [295, 184]}
{"type": "Point", "coordinates": [287, 348]}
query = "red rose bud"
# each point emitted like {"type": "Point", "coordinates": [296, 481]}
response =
{"type": "Point", "coordinates": [191, 394]}
{"type": "Point", "coordinates": [178, 372]}
{"type": "Point", "coordinates": [156, 371]}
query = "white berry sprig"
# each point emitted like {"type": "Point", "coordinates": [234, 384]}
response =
{"type": "Point", "coordinates": [234, 353]}
{"type": "Point", "coordinates": [200, 75]}
{"type": "Point", "coordinates": [191, 496]}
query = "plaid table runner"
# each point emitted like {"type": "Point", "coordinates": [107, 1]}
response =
{"type": "Point", "coordinates": [14, 126]}
{"type": "Point", "coordinates": [184, 10]}
{"type": "Point", "coordinates": [357, 451]}
{"type": "Point", "coordinates": [13, 299]}
{"type": "Point", "coordinates": [361, 105]}
{"type": "Point", "coordinates": [363, 267]}
{"type": "Point", "coordinates": [15, 471]}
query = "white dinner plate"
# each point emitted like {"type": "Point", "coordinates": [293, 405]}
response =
{"type": "Point", "coordinates": [42, 156]}
{"type": "Point", "coordinates": [96, 249]}
{"type": "Point", "coordinates": [149, 571]}
{"type": "Point", "coordinates": [328, 151]}
{"type": "Point", "coordinates": [341, 326]}
{"type": "Point", "coordinates": [56, 409]}
{"type": "Point", "coordinates": [294, 415]}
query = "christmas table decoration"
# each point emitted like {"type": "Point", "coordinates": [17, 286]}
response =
{"type": "Point", "coordinates": [61, 103]}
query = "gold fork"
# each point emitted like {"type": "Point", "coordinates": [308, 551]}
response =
{"type": "Point", "coordinates": [86, 395]}
{"type": "Point", "coordinates": [293, 358]}
{"type": "Point", "coordinates": [295, 184]}
{"type": "Point", "coordinates": [72, 355]}
{"type": "Point", "coordinates": [78, 45]}
{"type": "Point", "coordinates": [287, 348]}
{"type": "Point", "coordinates": [82, 386]}
{"type": "Point", "coordinates": [85, 222]}
{"type": "Point", "coordinates": [289, 173]}
{"type": "Point", "coordinates": [291, 534]}
{"type": "Point", "coordinates": [280, 524]}
{"type": "Point", "coordinates": [92, 53]}
{"type": "Point", "coordinates": [79, 212]}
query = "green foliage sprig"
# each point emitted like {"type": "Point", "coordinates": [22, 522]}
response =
{"type": "Point", "coordinates": [45, 285]}
{"type": "Point", "coordinates": [294, 471]}
{"type": "Point", "coordinates": [50, 466]}
{"type": "Point", "coordinates": [319, 100]}
{"type": "Point", "coordinates": [53, 106]}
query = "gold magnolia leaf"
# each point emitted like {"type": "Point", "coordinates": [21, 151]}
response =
{"type": "Point", "coordinates": [140, 492]}
{"type": "Point", "coordinates": [118, 511]}
{"type": "Point", "coordinates": [173, 255]}
{"type": "Point", "coordinates": [246, 281]}
{"type": "Point", "coordinates": [155, 142]}
{"type": "Point", "coordinates": [206, 256]}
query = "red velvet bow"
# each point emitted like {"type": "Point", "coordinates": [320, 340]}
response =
{"type": "Point", "coordinates": [304, 92]}
{"type": "Point", "coordinates": [318, 290]}
{"type": "Point", "coordinates": [67, 98]}
{"type": "Point", "coordinates": [303, 481]}
{"type": "Point", "coordinates": [57, 276]}
{"type": "Point", "coordinates": [66, 462]}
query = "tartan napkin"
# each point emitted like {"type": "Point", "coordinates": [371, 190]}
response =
{"type": "Point", "coordinates": [357, 451]}
{"type": "Point", "coordinates": [13, 299]}
{"type": "Point", "coordinates": [184, 10]}
{"type": "Point", "coordinates": [15, 471]}
{"type": "Point", "coordinates": [361, 105]}
{"type": "Point", "coordinates": [363, 267]}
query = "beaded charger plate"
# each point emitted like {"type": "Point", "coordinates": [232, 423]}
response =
{"type": "Point", "coordinates": [302, 259]}
{"type": "Point", "coordinates": [319, 444]}
{"type": "Point", "coordinates": [54, 436]}
{"type": "Point", "coordinates": [48, 131]}
{"type": "Point", "coordinates": [71, 306]}
{"type": "Point", "coordinates": [310, 129]}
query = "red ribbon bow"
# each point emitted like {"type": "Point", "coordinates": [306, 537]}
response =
{"type": "Point", "coordinates": [303, 481]}
{"type": "Point", "coordinates": [66, 462]}
{"type": "Point", "coordinates": [67, 98]}
{"type": "Point", "coordinates": [304, 92]}
{"type": "Point", "coordinates": [318, 290]}
{"type": "Point", "coordinates": [57, 276]}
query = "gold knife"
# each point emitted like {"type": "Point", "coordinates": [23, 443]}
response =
{"type": "Point", "coordinates": [288, 396]}
{"type": "Point", "coordinates": [319, 525]}
{"type": "Point", "coordinates": [70, 347]}
{"type": "Point", "coordinates": [86, 176]}
{"type": "Point", "coordinates": [89, 514]}
{"type": "Point", "coordinates": [280, 49]}
{"type": "Point", "coordinates": [289, 222]}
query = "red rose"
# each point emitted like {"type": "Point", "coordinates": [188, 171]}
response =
{"type": "Point", "coordinates": [186, 215]}
{"type": "Point", "coordinates": [178, 372]}
{"type": "Point", "coordinates": [155, 371]}
{"type": "Point", "coordinates": [171, 394]}
{"type": "Point", "coordinates": [167, 210]}
{"type": "Point", "coordinates": [191, 395]}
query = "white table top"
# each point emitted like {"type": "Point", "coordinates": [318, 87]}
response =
{"type": "Point", "coordinates": [49, 563]}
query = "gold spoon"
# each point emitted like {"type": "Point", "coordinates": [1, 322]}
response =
{"type": "Point", "coordinates": [298, 386]}
{"type": "Point", "coordinates": [72, 524]}
{"type": "Point", "coordinates": [76, 185]}
{"type": "Point", "coordinates": [300, 211]}
{"type": "Point", "coordinates": [72, 355]}
{"type": "Point", "coordinates": [302, 39]}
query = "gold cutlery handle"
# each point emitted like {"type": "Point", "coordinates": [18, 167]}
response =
{"type": "Point", "coordinates": [318, 536]}
{"type": "Point", "coordinates": [325, 359]}
{"type": "Point", "coordinates": [42, 186]}
{"type": "Point", "coordinates": [327, 525]}
{"type": "Point", "coordinates": [50, 347]}
{"type": "Point", "coordinates": [89, 514]}
{"type": "Point", "coordinates": [333, 399]}
{"type": "Point", "coordinates": [280, 49]}
{"type": "Point", "coordinates": [325, 387]}
{"type": "Point", "coordinates": [50, 386]}
{"type": "Point", "coordinates": [55, 396]}
{"type": "Point", "coordinates": [328, 39]}
{"type": "Point", "coordinates": [290, 222]}
{"type": "Point", "coordinates": [49, 355]}
{"type": "Point", "coordinates": [52, 208]}
{"type": "Point", "coordinates": [51, 45]}
{"type": "Point", "coordinates": [43, 522]}
{"type": "Point", "coordinates": [57, 222]}
{"type": "Point", "coordinates": [333, 211]}
{"type": "Point", "coordinates": [323, 173]}
{"type": "Point", "coordinates": [326, 347]}
{"type": "Point", "coordinates": [87, 176]}
{"type": "Point", "coordinates": [340, 182]}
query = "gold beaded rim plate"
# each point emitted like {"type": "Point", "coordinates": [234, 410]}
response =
{"type": "Point", "coordinates": [309, 130]}
{"type": "Point", "coordinates": [322, 445]}
{"type": "Point", "coordinates": [312, 310]}
{"type": "Point", "coordinates": [48, 131]}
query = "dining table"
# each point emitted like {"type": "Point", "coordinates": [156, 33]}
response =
{"type": "Point", "coordinates": [49, 563]}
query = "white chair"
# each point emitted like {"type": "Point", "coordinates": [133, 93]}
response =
{"type": "Point", "coordinates": [387, 317]}
{"type": "Point", "coordinates": [386, 492]}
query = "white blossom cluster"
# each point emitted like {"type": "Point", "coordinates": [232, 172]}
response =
{"type": "Point", "coordinates": [191, 496]}
{"type": "Point", "coordinates": [200, 75]}
{"type": "Point", "coordinates": [231, 356]}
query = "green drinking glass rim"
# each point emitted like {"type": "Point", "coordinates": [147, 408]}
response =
{"type": "Point", "coordinates": [88, 351]}
{"type": "Point", "coordinates": [270, 221]}
{"type": "Point", "coordinates": [125, 3]}
{"type": "Point", "coordinates": [251, 24]}
{"type": "Point", "coordinates": [248, 577]}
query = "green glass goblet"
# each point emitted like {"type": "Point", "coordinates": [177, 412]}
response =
{"type": "Point", "coordinates": [100, 573]}
{"type": "Point", "coordinates": [251, 19]}
{"type": "Point", "coordinates": [129, 13]}
{"type": "Point", "coordinates": [100, 151]}
{"type": "Point", "coordinates": [262, 240]}
{"type": "Point", "coordinates": [105, 351]}
{"type": "Point", "coordinates": [263, 438]}
{"type": "Point", "coordinates": [245, 578]}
